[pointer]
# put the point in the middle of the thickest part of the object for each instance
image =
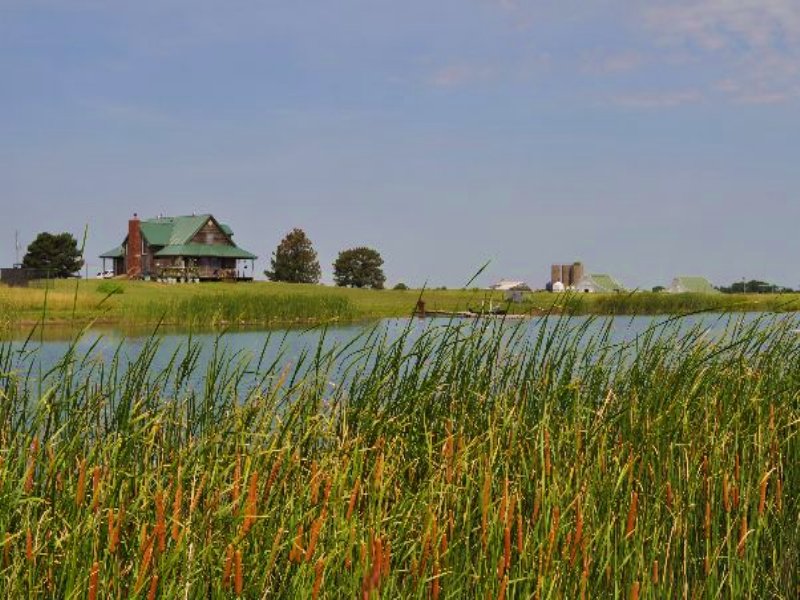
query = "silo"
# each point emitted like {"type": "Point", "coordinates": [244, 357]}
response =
{"type": "Point", "coordinates": [566, 273]}
{"type": "Point", "coordinates": [577, 273]}
{"type": "Point", "coordinates": [555, 274]}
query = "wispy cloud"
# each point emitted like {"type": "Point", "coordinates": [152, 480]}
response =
{"type": "Point", "coordinates": [755, 43]}
{"type": "Point", "coordinates": [603, 63]}
{"type": "Point", "coordinates": [666, 99]}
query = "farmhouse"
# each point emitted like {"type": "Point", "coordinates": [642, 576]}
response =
{"type": "Point", "coordinates": [691, 285]}
{"type": "Point", "coordinates": [195, 247]}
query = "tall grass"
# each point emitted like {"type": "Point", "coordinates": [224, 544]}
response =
{"type": "Point", "coordinates": [462, 462]}
{"type": "Point", "coordinates": [132, 303]}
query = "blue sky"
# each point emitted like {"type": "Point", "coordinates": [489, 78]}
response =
{"type": "Point", "coordinates": [647, 139]}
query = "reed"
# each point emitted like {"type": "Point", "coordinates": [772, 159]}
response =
{"type": "Point", "coordinates": [446, 458]}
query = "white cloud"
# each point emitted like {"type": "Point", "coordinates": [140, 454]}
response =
{"type": "Point", "coordinates": [754, 44]}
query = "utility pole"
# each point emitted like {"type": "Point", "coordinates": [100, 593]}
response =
{"type": "Point", "coordinates": [16, 247]}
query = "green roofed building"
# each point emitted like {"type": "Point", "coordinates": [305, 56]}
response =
{"type": "Point", "coordinates": [598, 284]}
{"type": "Point", "coordinates": [190, 247]}
{"type": "Point", "coordinates": [691, 285]}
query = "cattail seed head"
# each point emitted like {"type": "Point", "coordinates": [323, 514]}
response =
{"type": "Point", "coordinates": [80, 492]}
{"type": "Point", "coordinates": [632, 512]}
{"type": "Point", "coordinates": [319, 570]}
{"type": "Point", "coordinates": [93, 577]}
{"type": "Point", "coordinates": [151, 595]}
{"type": "Point", "coordinates": [742, 536]}
{"type": "Point", "coordinates": [238, 582]}
{"type": "Point", "coordinates": [635, 591]}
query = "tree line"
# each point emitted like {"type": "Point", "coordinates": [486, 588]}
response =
{"type": "Point", "coordinates": [295, 261]}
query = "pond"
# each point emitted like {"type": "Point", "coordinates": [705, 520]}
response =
{"type": "Point", "coordinates": [33, 354]}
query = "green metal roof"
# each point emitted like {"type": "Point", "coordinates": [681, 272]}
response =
{"type": "Point", "coordinates": [175, 235]}
{"type": "Point", "coordinates": [115, 253]}
{"type": "Point", "coordinates": [215, 250]}
{"type": "Point", "coordinates": [693, 285]}
{"type": "Point", "coordinates": [606, 282]}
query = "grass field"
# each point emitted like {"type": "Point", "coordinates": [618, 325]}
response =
{"type": "Point", "coordinates": [460, 465]}
{"type": "Point", "coordinates": [261, 303]}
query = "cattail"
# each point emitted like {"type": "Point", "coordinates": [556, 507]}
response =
{"type": "Point", "coordinates": [635, 591]}
{"type": "Point", "coordinates": [377, 561]}
{"type": "Point", "coordinates": [151, 595]}
{"type": "Point", "coordinates": [537, 506]}
{"type": "Point", "coordinates": [742, 536]}
{"type": "Point", "coordinates": [80, 493]}
{"type": "Point", "coordinates": [296, 553]}
{"type": "Point", "coordinates": [547, 462]}
{"type": "Point", "coordinates": [726, 502]}
{"type": "Point", "coordinates": [237, 475]}
{"type": "Point", "coordinates": [655, 572]}
{"type": "Point", "coordinates": [353, 498]}
{"type": "Point", "coordinates": [507, 547]}
{"type": "Point", "coordinates": [198, 492]}
{"type": "Point", "coordinates": [93, 576]}
{"type": "Point", "coordinates": [111, 545]}
{"type": "Point", "coordinates": [762, 495]}
{"type": "Point", "coordinates": [502, 594]}
{"type": "Point", "coordinates": [29, 545]}
{"type": "Point", "coordinates": [319, 569]}
{"type": "Point", "coordinates": [631, 525]}
{"type": "Point", "coordinates": [669, 495]}
{"type": "Point", "coordinates": [147, 555]}
{"type": "Point", "coordinates": [707, 521]}
{"type": "Point", "coordinates": [778, 494]}
{"type": "Point", "coordinates": [273, 475]}
{"type": "Point", "coordinates": [313, 535]}
{"type": "Point", "coordinates": [176, 510]}
{"type": "Point", "coordinates": [443, 544]}
{"type": "Point", "coordinates": [227, 569]}
{"type": "Point", "coordinates": [251, 506]}
{"type": "Point", "coordinates": [96, 481]}
{"type": "Point", "coordinates": [501, 568]}
{"type": "Point", "coordinates": [578, 531]}
{"type": "Point", "coordinates": [520, 534]}
{"type": "Point", "coordinates": [435, 585]}
{"type": "Point", "coordinates": [238, 582]}
{"type": "Point", "coordinates": [161, 525]}
{"type": "Point", "coordinates": [735, 494]}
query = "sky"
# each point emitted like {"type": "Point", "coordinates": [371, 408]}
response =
{"type": "Point", "coordinates": [647, 139]}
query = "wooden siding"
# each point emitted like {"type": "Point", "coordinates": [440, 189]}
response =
{"type": "Point", "coordinates": [210, 233]}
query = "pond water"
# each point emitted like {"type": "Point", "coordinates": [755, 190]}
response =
{"type": "Point", "coordinates": [40, 351]}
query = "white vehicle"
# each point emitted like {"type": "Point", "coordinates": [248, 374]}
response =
{"type": "Point", "coordinates": [105, 275]}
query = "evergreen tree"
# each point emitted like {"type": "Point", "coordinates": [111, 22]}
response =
{"type": "Point", "coordinates": [57, 253]}
{"type": "Point", "coordinates": [294, 260]}
{"type": "Point", "coordinates": [359, 267]}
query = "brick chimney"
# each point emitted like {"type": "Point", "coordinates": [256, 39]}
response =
{"type": "Point", "coordinates": [133, 258]}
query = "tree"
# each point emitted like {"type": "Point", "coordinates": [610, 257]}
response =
{"type": "Point", "coordinates": [294, 260]}
{"type": "Point", "coordinates": [359, 267]}
{"type": "Point", "coordinates": [401, 287]}
{"type": "Point", "coordinates": [57, 253]}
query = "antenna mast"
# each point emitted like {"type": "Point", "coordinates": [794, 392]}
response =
{"type": "Point", "coordinates": [16, 247]}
